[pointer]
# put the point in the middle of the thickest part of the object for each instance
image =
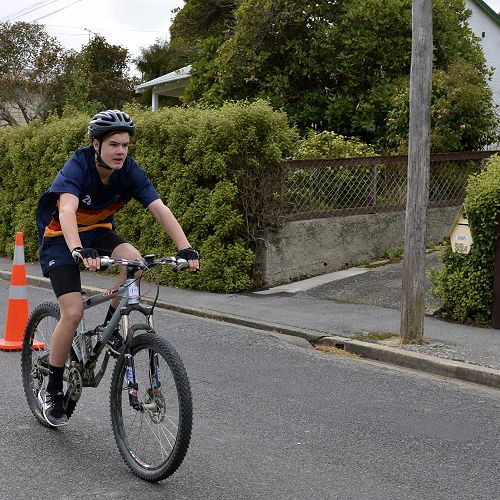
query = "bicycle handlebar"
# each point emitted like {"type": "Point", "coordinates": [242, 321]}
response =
{"type": "Point", "coordinates": [147, 263]}
{"type": "Point", "coordinates": [174, 263]}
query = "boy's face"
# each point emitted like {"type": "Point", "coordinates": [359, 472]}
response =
{"type": "Point", "coordinates": [114, 149]}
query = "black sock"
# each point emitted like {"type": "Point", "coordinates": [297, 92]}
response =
{"type": "Point", "coordinates": [55, 382]}
{"type": "Point", "coordinates": [109, 314]}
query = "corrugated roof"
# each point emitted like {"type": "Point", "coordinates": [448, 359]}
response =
{"type": "Point", "coordinates": [172, 77]}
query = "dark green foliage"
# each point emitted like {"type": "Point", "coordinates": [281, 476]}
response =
{"type": "Point", "coordinates": [465, 282]}
{"type": "Point", "coordinates": [97, 77]}
{"type": "Point", "coordinates": [335, 65]}
{"type": "Point", "coordinates": [219, 171]}
{"type": "Point", "coordinates": [462, 117]}
{"type": "Point", "coordinates": [200, 26]}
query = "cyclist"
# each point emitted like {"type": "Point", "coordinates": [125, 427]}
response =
{"type": "Point", "coordinates": [77, 214]}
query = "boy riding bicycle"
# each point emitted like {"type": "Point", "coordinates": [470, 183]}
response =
{"type": "Point", "coordinates": [76, 216]}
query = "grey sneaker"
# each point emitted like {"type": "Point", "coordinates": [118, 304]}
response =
{"type": "Point", "coordinates": [52, 407]}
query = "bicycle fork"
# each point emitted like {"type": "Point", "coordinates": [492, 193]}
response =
{"type": "Point", "coordinates": [133, 386]}
{"type": "Point", "coordinates": [130, 374]}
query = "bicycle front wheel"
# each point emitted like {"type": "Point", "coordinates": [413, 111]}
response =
{"type": "Point", "coordinates": [153, 427]}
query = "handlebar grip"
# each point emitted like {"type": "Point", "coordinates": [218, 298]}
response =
{"type": "Point", "coordinates": [106, 261]}
{"type": "Point", "coordinates": [182, 264]}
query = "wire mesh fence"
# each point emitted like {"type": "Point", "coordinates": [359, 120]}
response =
{"type": "Point", "coordinates": [343, 186]}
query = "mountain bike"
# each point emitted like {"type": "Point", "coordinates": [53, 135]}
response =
{"type": "Point", "coordinates": [150, 396]}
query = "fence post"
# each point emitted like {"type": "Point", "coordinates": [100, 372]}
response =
{"type": "Point", "coordinates": [495, 307]}
{"type": "Point", "coordinates": [373, 186]}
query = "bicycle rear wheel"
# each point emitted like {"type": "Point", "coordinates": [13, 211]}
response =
{"type": "Point", "coordinates": [153, 438]}
{"type": "Point", "coordinates": [35, 357]}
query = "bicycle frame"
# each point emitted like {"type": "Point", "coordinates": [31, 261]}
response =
{"type": "Point", "coordinates": [129, 293]}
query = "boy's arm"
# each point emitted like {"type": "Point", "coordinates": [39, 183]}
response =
{"type": "Point", "coordinates": [68, 205]}
{"type": "Point", "coordinates": [172, 227]}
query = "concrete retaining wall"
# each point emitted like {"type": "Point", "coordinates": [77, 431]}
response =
{"type": "Point", "coordinates": [303, 249]}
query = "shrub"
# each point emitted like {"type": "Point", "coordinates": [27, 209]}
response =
{"type": "Point", "coordinates": [330, 145]}
{"type": "Point", "coordinates": [218, 171]}
{"type": "Point", "coordinates": [462, 116]}
{"type": "Point", "coordinates": [465, 282]}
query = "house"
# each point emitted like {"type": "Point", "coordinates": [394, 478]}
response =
{"type": "Point", "coordinates": [171, 84]}
{"type": "Point", "coordinates": [14, 114]}
{"type": "Point", "coordinates": [484, 21]}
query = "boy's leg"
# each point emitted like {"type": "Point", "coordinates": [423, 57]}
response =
{"type": "Point", "coordinates": [66, 284]}
{"type": "Point", "coordinates": [71, 307]}
{"type": "Point", "coordinates": [107, 242]}
{"type": "Point", "coordinates": [123, 251]}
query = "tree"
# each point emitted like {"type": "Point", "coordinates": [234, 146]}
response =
{"type": "Point", "coordinates": [31, 63]}
{"type": "Point", "coordinates": [462, 116]}
{"type": "Point", "coordinates": [98, 76]}
{"type": "Point", "coordinates": [199, 21]}
{"type": "Point", "coordinates": [157, 60]}
{"type": "Point", "coordinates": [331, 65]}
{"type": "Point", "coordinates": [275, 49]}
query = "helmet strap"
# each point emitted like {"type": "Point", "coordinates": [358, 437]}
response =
{"type": "Point", "coordinates": [98, 158]}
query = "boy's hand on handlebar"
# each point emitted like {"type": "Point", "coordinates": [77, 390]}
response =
{"type": "Point", "coordinates": [89, 257]}
{"type": "Point", "coordinates": [191, 256]}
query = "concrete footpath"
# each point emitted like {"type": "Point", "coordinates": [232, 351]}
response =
{"type": "Point", "coordinates": [349, 310]}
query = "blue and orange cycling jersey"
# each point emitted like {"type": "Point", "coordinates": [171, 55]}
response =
{"type": "Point", "coordinates": [98, 202]}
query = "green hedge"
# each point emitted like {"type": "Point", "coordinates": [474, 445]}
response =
{"type": "Point", "coordinates": [465, 282]}
{"type": "Point", "coordinates": [218, 170]}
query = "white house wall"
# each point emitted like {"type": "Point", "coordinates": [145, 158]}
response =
{"type": "Point", "coordinates": [489, 32]}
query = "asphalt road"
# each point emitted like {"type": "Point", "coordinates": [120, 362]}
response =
{"type": "Point", "coordinates": [272, 420]}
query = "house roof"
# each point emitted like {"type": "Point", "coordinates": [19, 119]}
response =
{"type": "Point", "coordinates": [488, 10]}
{"type": "Point", "coordinates": [172, 83]}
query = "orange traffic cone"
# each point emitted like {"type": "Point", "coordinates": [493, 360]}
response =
{"type": "Point", "coordinates": [17, 307]}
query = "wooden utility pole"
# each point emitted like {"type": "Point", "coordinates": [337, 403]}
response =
{"type": "Point", "coordinates": [413, 304]}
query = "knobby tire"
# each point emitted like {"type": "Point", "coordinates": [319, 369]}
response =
{"type": "Point", "coordinates": [159, 441]}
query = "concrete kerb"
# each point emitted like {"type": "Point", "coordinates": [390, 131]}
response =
{"type": "Point", "coordinates": [369, 350]}
{"type": "Point", "coordinates": [416, 361]}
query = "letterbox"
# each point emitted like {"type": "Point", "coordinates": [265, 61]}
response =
{"type": "Point", "coordinates": [460, 235]}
